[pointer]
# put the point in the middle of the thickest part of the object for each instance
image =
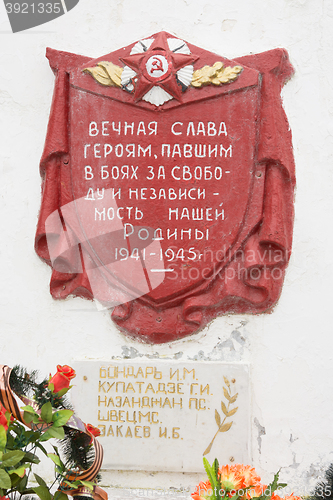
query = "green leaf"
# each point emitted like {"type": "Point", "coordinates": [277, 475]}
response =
{"type": "Point", "coordinates": [31, 417]}
{"type": "Point", "coordinates": [5, 481]}
{"type": "Point", "coordinates": [54, 458]}
{"type": "Point", "coordinates": [3, 438]}
{"type": "Point", "coordinates": [41, 447]}
{"type": "Point", "coordinates": [72, 484]}
{"type": "Point", "coordinates": [14, 480]}
{"type": "Point", "coordinates": [273, 486]}
{"type": "Point", "coordinates": [29, 409]}
{"type": "Point", "coordinates": [57, 432]}
{"type": "Point", "coordinates": [53, 432]}
{"type": "Point", "coordinates": [46, 412]}
{"type": "Point", "coordinates": [31, 458]}
{"type": "Point", "coordinates": [61, 393]}
{"type": "Point", "coordinates": [61, 417]}
{"type": "Point", "coordinates": [56, 450]}
{"type": "Point", "coordinates": [267, 495]}
{"type": "Point", "coordinates": [21, 486]}
{"type": "Point", "coordinates": [40, 480]}
{"type": "Point", "coordinates": [12, 458]}
{"type": "Point", "coordinates": [31, 436]}
{"type": "Point", "coordinates": [27, 491]}
{"type": "Point", "coordinates": [60, 464]}
{"type": "Point", "coordinates": [43, 493]}
{"type": "Point", "coordinates": [20, 471]}
{"type": "Point", "coordinates": [60, 495]}
{"type": "Point", "coordinates": [211, 476]}
{"type": "Point", "coordinates": [215, 467]}
{"type": "Point", "coordinates": [36, 421]}
{"type": "Point", "coordinates": [88, 484]}
{"type": "Point", "coordinates": [28, 417]}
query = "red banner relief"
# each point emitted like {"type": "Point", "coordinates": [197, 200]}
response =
{"type": "Point", "coordinates": [168, 179]}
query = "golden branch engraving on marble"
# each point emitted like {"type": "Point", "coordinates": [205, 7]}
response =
{"type": "Point", "coordinates": [106, 73]}
{"type": "Point", "coordinates": [222, 425]}
{"type": "Point", "coordinates": [215, 75]}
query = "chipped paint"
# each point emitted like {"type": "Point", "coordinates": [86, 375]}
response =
{"type": "Point", "coordinates": [261, 432]}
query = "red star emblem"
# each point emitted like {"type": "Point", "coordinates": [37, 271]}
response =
{"type": "Point", "coordinates": [158, 65]}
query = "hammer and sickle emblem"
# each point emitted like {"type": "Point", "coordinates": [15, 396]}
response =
{"type": "Point", "coordinates": [156, 64]}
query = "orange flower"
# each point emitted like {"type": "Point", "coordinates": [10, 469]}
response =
{"type": "Point", "coordinates": [249, 475]}
{"type": "Point", "coordinates": [257, 491]}
{"type": "Point", "coordinates": [276, 497]}
{"type": "Point", "coordinates": [62, 378]}
{"type": "Point", "coordinates": [292, 497]}
{"type": "Point", "coordinates": [203, 491]}
{"type": "Point", "coordinates": [230, 477]}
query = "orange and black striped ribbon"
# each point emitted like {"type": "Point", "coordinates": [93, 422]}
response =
{"type": "Point", "coordinates": [6, 396]}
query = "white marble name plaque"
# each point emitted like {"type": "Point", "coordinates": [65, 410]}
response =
{"type": "Point", "coordinates": [163, 415]}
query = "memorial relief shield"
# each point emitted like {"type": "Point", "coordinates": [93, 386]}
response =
{"type": "Point", "coordinates": [167, 184]}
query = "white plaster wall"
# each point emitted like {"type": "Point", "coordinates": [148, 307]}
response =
{"type": "Point", "coordinates": [291, 349]}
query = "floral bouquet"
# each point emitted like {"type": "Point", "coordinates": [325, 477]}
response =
{"type": "Point", "coordinates": [46, 414]}
{"type": "Point", "coordinates": [237, 482]}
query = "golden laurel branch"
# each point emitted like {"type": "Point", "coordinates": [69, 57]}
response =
{"type": "Point", "coordinates": [106, 73]}
{"type": "Point", "coordinates": [222, 425]}
{"type": "Point", "coordinates": [216, 75]}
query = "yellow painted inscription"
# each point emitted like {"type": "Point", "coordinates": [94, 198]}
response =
{"type": "Point", "coordinates": [133, 401]}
